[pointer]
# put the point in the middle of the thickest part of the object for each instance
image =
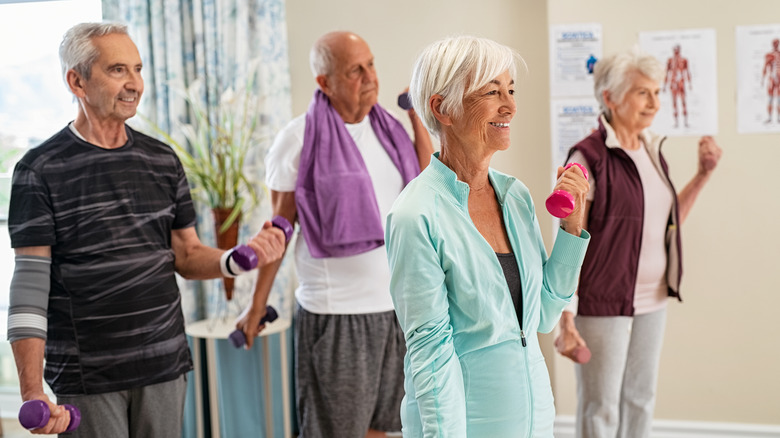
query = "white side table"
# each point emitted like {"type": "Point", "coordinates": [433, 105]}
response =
{"type": "Point", "coordinates": [211, 330]}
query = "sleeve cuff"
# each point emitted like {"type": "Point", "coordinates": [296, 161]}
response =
{"type": "Point", "coordinates": [570, 249]}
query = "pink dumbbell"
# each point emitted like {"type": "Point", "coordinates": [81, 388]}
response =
{"type": "Point", "coordinates": [34, 414]}
{"type": "Point", "coordinates": [561, 203]}
{"type": "Point", "coordinates": [580, 354]}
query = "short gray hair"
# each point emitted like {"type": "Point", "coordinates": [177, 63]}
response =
{"type": "Point", "coordinates": [453, 68]}
{"type": "Point", "coordinates": [613, 74]}
{"type": "Point", "coordinates": [78, 53]}
{"type": "Point", "coordinates": [321, 57]}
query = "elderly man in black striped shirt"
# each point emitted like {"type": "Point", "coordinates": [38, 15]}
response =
{"type": "Point", "coordinates": [100, 219]}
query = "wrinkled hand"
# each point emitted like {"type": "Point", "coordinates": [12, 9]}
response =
{"type": "Point", "coordinates": [573, 181]}
{"type": "Point", "coordinates": [709, 155]}
{"type": "Point", "coordinates": [568, 339]}
{"type": "Point", "coordinates": [58, 421]}
{"type": "Point", "coordinates": [268, 244]}
{"type": "Point", "coordinates": [249, 323]}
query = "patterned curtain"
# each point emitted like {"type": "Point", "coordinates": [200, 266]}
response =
{"type": "Point", "coordinates": [215, 41]}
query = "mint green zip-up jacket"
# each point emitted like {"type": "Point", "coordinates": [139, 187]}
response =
{"type": "Point", "coordinates": [468, 373]}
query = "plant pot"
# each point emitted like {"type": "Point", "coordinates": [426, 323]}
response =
{"type": "Point", "coordinates": [226, 240]}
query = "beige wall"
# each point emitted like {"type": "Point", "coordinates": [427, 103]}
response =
{"type": "Point", "coordinates": [398, 30]}
{"type": "Point", "coordinates": [721, 357]}
{"type": "Point", "coordinates": [722, 354]}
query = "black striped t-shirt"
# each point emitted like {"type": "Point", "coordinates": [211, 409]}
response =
{"type": "Point", "coordinates": [114, 316]}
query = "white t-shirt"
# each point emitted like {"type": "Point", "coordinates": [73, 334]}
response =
{"type": "Point", "coordinates": [650, 291]}
{"type": "Point", "coordinates": [339, 285]}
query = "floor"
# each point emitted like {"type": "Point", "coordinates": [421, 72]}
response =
{"type": "Point", "coordinates": [12, 429]}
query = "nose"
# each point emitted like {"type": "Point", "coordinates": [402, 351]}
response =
{"type": "Point", "coordinates": [135, 81]}
{"type": "Point", "coordinates": [654, 101]}
{"type": "Point", "coordinates": [509, 106]}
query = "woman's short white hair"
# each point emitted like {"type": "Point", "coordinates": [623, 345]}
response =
{"type": "Point", "coordinates": [613, 74]}
{"type": "Point", "coordinates": [78, 53]}
{"type": "Point", "coordinates": [453, 68]}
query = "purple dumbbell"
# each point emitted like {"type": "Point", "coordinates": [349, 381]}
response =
{"type": "Point", "coordinates": [283, 224]}
{"type": "Point", "coordinates": [561, 203]}
{"type": "Point", "coordinates": [245, 256]}
{"type": "Point", "coordinates": [237, 337]}
{"type": "Point", "coordinates": [34, 414]}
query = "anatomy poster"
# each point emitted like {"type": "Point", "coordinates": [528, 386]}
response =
{"type": "Point", "coordinates": [689, 90]}
{"type": "Point", "coordinates": [758, 79]}
{"type": "Point", "coordinates": [574, 48]}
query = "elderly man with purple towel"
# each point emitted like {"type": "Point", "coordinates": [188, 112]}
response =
{"type": "Point", "coordinates": [337, 170]}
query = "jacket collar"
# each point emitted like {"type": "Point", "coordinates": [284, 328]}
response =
{"type": "Point", "coordinates": [446, 180]}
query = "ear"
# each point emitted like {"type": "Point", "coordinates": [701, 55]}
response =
{"type": "Point", "coordinates": [75, 83]}
{"type": "Point", "coordinates": [322, 81]}
{"type": "Point", "coordinates": [607, 96]}
{"type": "Point", "coordinates": [435, 103]}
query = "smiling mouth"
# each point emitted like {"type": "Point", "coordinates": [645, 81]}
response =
{"type": "Point", "coordinates": [127, 99]}
{"type": "Point", "coordinates": [499, 125]}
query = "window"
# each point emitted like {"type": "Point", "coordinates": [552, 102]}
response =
{"type": "Point", "coordinates": [34, 104]}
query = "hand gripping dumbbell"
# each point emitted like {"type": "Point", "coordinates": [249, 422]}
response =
{"type": "Point", "coordinates": [238, 338]}
{"type": "Point", "coordinates": [561, 203]}
{"type": "Point", "coordinates": [34, 414]}
{"type": "Point", "coordinates": [245, 257]}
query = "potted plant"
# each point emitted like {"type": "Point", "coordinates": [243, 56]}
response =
{"type": "Point", "coordinates": [218, 142]}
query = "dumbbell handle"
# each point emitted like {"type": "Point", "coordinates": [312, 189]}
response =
{"type": "Point", "coordinates": [561, 203]}
{"type": "Point", "coordinates": [34, 414]}
{"type": "Point", "coordinates": [237, 337]}
{"type": "Point", "coordinates": [245, 256]}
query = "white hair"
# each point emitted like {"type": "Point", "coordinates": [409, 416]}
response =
{"type": "Point", "coordinates": [78, 53]}
{"type": "Point", "coordinates": [321, 58]}
{"type": "Point", "coordinates": [454, 68]}
{"type": "Point", "coordinates": [613, 74]}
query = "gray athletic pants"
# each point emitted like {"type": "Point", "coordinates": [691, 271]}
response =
{"type": "Point", "coordinates": [154, 411]}
{"type": "Point", "coordinates": [616, 389]}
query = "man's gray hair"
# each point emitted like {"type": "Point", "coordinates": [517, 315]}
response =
{"type": "Point", "coordinates": [453, 68]}
{"type": "Point", "coordinates": [78, 53]}
{"type": "Point", "coordinates": [321, 57]}
{"type": "Point", "coordinates": [613, 74]}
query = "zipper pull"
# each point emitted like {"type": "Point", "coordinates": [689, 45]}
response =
{"type": "Point", "coordinates": [522, 338]}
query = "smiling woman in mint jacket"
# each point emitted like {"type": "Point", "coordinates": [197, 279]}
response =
{"type": "Point", "coordinates": [470, 277]}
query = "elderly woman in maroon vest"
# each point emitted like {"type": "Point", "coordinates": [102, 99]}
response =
{"type": "Point", "coordinates": [633, 263]}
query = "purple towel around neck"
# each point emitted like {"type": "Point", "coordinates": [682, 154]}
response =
{"type": "Point", "coordinates": [337, 206]}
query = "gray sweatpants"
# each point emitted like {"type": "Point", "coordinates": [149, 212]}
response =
{"type": "Point", "coordinates": [616, 389]}
{"type": "Point", "coordinates": [147, 412]}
